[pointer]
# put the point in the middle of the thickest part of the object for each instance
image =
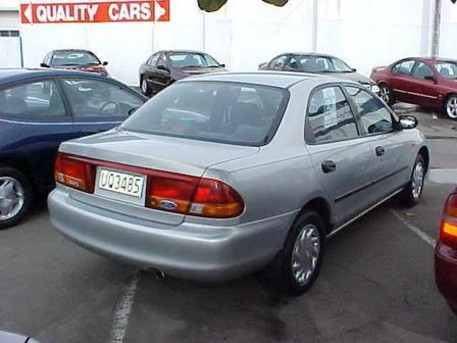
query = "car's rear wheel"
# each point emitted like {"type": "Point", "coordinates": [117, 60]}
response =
{"type": "Point", "coordinates": [303, 252]}
{"type": "Point", "coordinates": [386, 94]}
{"type": "Point", "coordinates": [411, 194]}
{"type": "Point", "coordinates": [450, 107]}
{"type": "Point", "coordinates": [16, 196]}
{"type": "Point", "coordinates": [145, 89]}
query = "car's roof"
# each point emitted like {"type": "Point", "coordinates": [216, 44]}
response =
{"type": "Point", "coordinates": [315, 54]}
{"type": "Point", "coordinates": [9, 75]}
{"type": "Point", "coordinates": [265, 78]}
{"type": "Point", "coordinates": [430, 59]}
{"type": "Point", "coordinates": [183, 51]}
{"type": "Point", "coordinates": [72, 50]}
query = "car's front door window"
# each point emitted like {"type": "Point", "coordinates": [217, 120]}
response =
{"type": "Point", "coordinates": [38, 100]}
{"type": "Point", "coordinates": [422, 71]}
{"type": "Point", "coordinates": [279, 62]}
{"type": "Point", "coordinates": [374, 116]}
{"type": "Point", "coordinates": [153, 60]}
{"type": "Point", "coordinates": [404, 67]}
{"type": "Point", "coordinates": [95, 98]}
{"type": "Point", "coordinates": [330, 117]}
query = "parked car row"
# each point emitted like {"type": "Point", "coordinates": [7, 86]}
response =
{"type": "Point", "coordinates": [428, 82]}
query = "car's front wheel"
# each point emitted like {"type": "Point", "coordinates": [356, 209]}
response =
{"type": "Point", "coordinates": [411, 194]}
{"type": "Point", "coordinates": [16, 196]}
{"type": "Point", "coordinates": [303, 253]}
{"type": "Point", "coordinates": [450, 107]}
{"type": "Point", "coordinates": [386, 94]}
{"type": "Point", "coordinates": [145, 89]}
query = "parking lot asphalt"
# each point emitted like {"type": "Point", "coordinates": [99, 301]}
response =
{"type": "Point", "coordinates": [376, 285]}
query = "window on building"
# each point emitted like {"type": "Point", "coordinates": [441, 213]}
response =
{"type": "Point", "coordinates": [9, 33]}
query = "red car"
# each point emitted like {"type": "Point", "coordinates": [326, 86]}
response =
{"type": "Point", "coordinates": [77, 59]}
{"type": "Point", "coordinates": [446, 252]}
{"type": "Point", "coordinates": [426, 82]}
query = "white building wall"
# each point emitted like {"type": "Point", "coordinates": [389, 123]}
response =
{"type": "Point", "coordinates": [448, 46]}
{"type": "Point", "coordinates": [245, 33]}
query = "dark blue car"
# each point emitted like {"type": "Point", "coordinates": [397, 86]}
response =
{"type": "Point", "coordinates": [39, 109]}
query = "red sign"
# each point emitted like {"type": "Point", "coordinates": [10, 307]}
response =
{"type": "Point", "coordinates": [95, 12]}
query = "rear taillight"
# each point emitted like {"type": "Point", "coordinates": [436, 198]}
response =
{"type": "Point", "coordinates": [165, 191]}
{"type": "Point", "coordinates": [216, 199]}
{"type": "Point", "coordinates": [194, 196]}
{"type": "Point", "coordinates": [73, 172]}
{"type": "Point", "coordinates": [448, 231]}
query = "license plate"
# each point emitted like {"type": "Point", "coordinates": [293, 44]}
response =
{"type": "Point", "coordinates": [122, 183]}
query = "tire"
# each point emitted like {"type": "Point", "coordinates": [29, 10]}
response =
{"type": "Point", "coordinates": [145, 89]}
{"type": "Point", "coordinates": [295, 279]}
{"type": "Point", "coordinates": [16, 196]}
{"type": "Point", "coordinates": [450, 107]}
{"type": "Point", "coordinates": [411, 194]}
{"type": "Point", "coordinates": [386, 94]}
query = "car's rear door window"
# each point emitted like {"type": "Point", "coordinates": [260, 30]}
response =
{"type": "Point", "coordinates": [224, 112]}
{"type": "Point", "coordinates": [96, 98]}
{"type": "Point", "coordinates": [36, 100]}
{"type": "Point", "coordinates": [329, 117]}
{"type": "Point", "coordinates": [447, 69]}
{"type": "Point", "coordinates": [374, 116]}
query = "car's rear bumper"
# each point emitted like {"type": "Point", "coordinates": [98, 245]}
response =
{"type": "Point", "coordinates": [446, 272]}
{"type": "Point", "coordinates": [191, 251]}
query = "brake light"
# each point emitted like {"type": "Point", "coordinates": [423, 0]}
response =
{"type": "Point", "coordinates": [74, 173]}
{"type": "Point", "coordinates": [216, 199]}
{"type": "Point", "coordinates": [194, 196]}
{"type": "Point", "coordinates": [448, 231]}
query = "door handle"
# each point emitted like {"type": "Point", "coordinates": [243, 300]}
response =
{"type": "Point", "coordinates": [380, 151]}
{"type": "Point", "coordinates": [328, 166]}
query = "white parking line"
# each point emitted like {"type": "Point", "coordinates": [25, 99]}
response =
{"type": "Point", "coordinates": [122, 311]}
{"type": "Point", "coordinates": [443, 175]}
{"type": "Point", "coordinates": [422, 235]}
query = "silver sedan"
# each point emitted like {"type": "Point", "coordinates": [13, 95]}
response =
{"type": "Point", "coordinates": [224, 174]}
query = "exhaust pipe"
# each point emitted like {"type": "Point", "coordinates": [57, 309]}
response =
{"type": "Point", "coordinates": [160, 275]}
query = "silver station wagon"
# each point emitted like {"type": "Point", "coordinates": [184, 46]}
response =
{"type": "Point", "coordinates": [225, 174]}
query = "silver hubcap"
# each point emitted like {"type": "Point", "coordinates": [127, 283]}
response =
{"type": "Point", "coordinates": [11, 197]}
{"type": "Point", "coordinates": [417, 180]}
{"type": "Point", "coordinates": [144, 86]}
{"type": "Point", "coordinates": [451, 108]}
{"type": "Point", "coordinates": [306, 253]}
{"type": "Point", "coordinates": [385, 94]}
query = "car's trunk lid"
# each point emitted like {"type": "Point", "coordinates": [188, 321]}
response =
{"type": "Point", "coordinates": [176, 155]}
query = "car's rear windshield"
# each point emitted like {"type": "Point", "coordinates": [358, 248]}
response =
{"type": "Point", "coordinates": [74, 58]}
{"type": "Point", "coordinates": [224, 112]}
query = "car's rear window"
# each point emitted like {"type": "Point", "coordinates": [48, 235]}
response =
{"type": "Point", "coordinates": [225, 112]}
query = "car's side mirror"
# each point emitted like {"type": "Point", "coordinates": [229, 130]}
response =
{"type": "Point", "coordinates": [222, 65]}
{"type": "Point", "coordinates": [44, 65]}
{"type": "Point", "coordinates": [408, 122]}
{"type": "Point", "coordinates": [163, 67]}
{"type": "Point", "coordinates": [105, 63]}
{"type": "Point", "coordinates": [430, 78]}
{"type": "Point", "coordinates": [354, 70]}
